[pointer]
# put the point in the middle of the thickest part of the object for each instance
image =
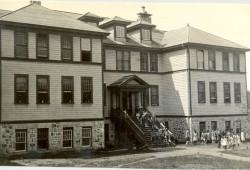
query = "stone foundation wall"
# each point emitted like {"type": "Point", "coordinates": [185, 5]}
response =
{"type": "Point", "coordinates": [55, 132]}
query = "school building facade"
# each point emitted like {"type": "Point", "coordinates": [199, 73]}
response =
{"type": "Point", "coordinates": [66, 79]}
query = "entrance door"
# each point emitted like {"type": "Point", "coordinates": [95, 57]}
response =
{"type": "Point", "coordinates": [202, 127]}
{"type": "Point", "coordinates": [127, 102]}
{"type": "Point", "coordinates": [106, 129]}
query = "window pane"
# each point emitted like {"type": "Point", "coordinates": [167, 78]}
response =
{"type": "Point", "coordinates": [67, 137]}
{"type": "Point", "coordinates": [42, 138]}
{"type": "Point", "coordinates": [225, 62]}
{"type": "Point", "coordinates": [20, 140]}
{"type": "Point", "coordinates": [86, 90]}
{"type": "Point", "coordinates": [227, 97]}
{"type": "Point", "coordinates": [42, 46]}
{"type": "Point", "coordinates": [119, 60]}
{"type": "Point", "coordinates": [236, 62]}
{"type": "Point", "coordinates": [153, 62]}
{"type": "Point", "coordinates": [120, 31]}
{"type": "Point", "coordinates": [145, 34]}
{"type": "Point", "coordinates": [200, 59]}
{"type": "Point", "coordinates": [211, 62]}
{"type": "Point", "coordinates": [42, 89]}
{"type": "Point", "coordinates": [86, 136]}
{"type": "Point", "coordinates": [21, 89]}
{"type": "Point", "coordinates": [237, 92]}
{"type": "Point", "coordinates": [21, 83]}
{"type": "Point", "coordinates": [86, 44]}
{"type": "Point", "coordinates": [21, 38]}
{"type": "Point", "coordinates": [144, 61]}
{"type": "Point", "coordinates": [213, 92]}
{"type": "Point", "coordinates": [21, 51]}
{"type": "Point", "coordinates": [126, 60]}
{"type": "Point", "coordinates": [68, 88]}
{"type": "Point", "coordinates": [154, 95]}
{"type": "Point", "coordinates": [67, 42]}
{"type": "Point", "coordinates": [201, 92]}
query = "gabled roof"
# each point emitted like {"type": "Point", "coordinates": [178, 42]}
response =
{"type": "Point", "coordinates": [190, 34]}
{"type": "Point", "coordinates": [114, 19]}
{"type": "Point", "coordinates": [38, 15]}
{"type": "Point", "coordinates": [140, 23]}
{"type": "Point", "coordinates": [89, 14]}
{"type": "Point", "coordinates": [130, 81]}
{"type": "Point", "coordinates": [4, 12]}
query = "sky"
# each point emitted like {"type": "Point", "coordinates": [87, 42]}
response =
{"type": "Point", "coordinates": [226, 19]}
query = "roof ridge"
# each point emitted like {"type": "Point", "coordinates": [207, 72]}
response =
{"type": "Point", "coordinates": [11, 12]}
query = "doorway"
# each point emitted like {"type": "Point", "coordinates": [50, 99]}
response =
{"type": "Point", "coordinates": [202, 127]}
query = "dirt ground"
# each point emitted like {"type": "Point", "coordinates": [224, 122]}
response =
{"type": "Point", "coordinates": [180, 157]}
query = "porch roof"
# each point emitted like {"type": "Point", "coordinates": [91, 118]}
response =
{"type": "Point", "coordinates": [129, 81]}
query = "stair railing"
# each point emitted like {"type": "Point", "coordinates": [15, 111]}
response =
{"type": "Point", "coordinates": [138, 132]}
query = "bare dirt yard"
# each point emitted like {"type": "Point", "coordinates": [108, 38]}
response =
{"type": "Point", "coordinates": [179, 157]}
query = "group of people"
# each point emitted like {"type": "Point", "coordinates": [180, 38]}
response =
{"type": "Point", "coordinates": [163, 136]}
{"type": "Point", "coordinates": [225, 140]}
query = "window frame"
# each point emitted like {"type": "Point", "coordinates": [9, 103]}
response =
{"type": "Point", "coordinates": [201, 82]}
{"type": "Point", "coordinates": [225, 54]}
{"type": "Point", "coordinates": [123, 61]}
{"type": "Point", "coordinates": [116, 31]}
{"type": "Point", "coordinates": [143, 33]}
{"type": "Point", "coordinates": [157, 95]}
{"type": "Point", "coordinates": [91, 85]}
{"type": "Point", "coordinates": [228, 122]}
{"type": "Point", "coordinates": [65, 48]}
{"type": "Point", "coordinates": [67, 77]}
{"type": "Point", "coordinates": [72, 137]}
{"type": "Point", "coordinates": [213, 61]}
{"type": "Point", "coordinates": [142, 61]}
{"type": "Point", "coordinates": [48, 90]}
{"type": "Point", "coordinates": [37, 55]}
{"type": "Point", "coordinates": [155, 56]}
{"type": "Point", "coordinates": [197, 58]}
{"type": "Point", "coordinates": [90, 51]}
{"type": "Point", "coordinates": [25, 142]}
{"type": "Point", "coordinates": [215, 123]}
{"type": "Point", "coordinates": [22, 45]}
{"type": "Point", "coordinates": [15, 88]}
{"type": "Point", "coordinates": [236, 93]}
{"type": "Point", "coordinates": [90, 136]}
{"type": "Point", "coordinates": [224, 92]}
{"type": "Point", "coordinates": [210, 91]}
{"type": "Point", "coordinates": [236, 65]}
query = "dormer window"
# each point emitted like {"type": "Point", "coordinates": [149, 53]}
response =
{"type": "Point", "coordinates": [146, 35]}
{"type": "Point", "coordinates": [120, 31]}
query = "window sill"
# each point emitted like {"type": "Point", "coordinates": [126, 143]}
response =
{"type": "Point", "coordinates": [68, 103]}
{"type": "Point", "coordinates": [42, 103]}
{"type": "Point", "coordinates": [87, 103]}
{"type": "Point", "coordinates": [21, 103]}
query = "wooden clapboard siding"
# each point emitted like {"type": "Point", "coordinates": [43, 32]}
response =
{"type": "Point", "coordinates": [110, 59]}
{"type": "Point", "coordinates": [32, 45]}
{"type": "Point", "coordinates": [176, 94]}
{"type": "Point", "coordinates": [242, 63]}
{"type": "Point", "coordinates": [176, 60]}
{"type": "Point", "coordinates": [151, 79]}
{"type": "Point", "coordinates": [96, 51]}
{"type": "Point", "coordinates": [76, 49]}
{"type": "Point", "coordinates": [135, 61]}
{"type": "Point", "coordinates": [231, 64]}
{"type": "Point", "coordinates": [54, 110]}
{"type": "Point", "coordinates": [54, 47]}
{"type": "Point", "coordinates": [7, 43]}
{"type": "Point", "coordinates": [136, 34]}
{"type": "Point", "coordinates": [157, 36]}
{"type": "Point", "coordinates": [193, 59]}
{"type": "Point", "coordinates": [220, 107]}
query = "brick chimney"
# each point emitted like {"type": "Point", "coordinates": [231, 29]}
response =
{"type": "Point", "coordinates": [144, 16]}
{"type": "Point", "coordinates": [35, 2]}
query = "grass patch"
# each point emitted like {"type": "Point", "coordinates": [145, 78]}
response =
{"type": "Point", "coordinates": [245, 152]}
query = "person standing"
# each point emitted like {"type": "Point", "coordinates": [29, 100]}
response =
{"type": "Point", "coordinates": [187, 136]}
{"type": "Point", "coordinates": [213, 136]}
{"type": "Point", "coordinates": [242, 136]}
{"type": "Point", "coordinates": [195, 137]}
{"type": "Point", "coordinates": [219, 138]}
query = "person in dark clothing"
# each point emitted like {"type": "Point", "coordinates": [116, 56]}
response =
{"type": "Point", "coordinates": [219, 135]}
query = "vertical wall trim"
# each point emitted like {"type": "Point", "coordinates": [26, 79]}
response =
{"type": "Point", "coordinates": [0, 74]}
{"type": "Point", "coordinates": [189, 82]}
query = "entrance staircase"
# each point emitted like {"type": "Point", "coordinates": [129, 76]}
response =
{"type": "Point", "coordinates": [142, 132]}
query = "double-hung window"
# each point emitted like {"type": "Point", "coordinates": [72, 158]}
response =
{"type": "Point", "coordinates": [86, 49]}
{"type": "Point", "coordinates": [21, 89]}
{"type": "Point", "coordinates": [42, 89]}
{"type": "Point", "coordinates": [146, 34]}
{"type": "Point", "coordinates": [154, 96]}
{"type": "Point", "coordinates": [123, 60]}
{"type": "Point", "coordinates": [87, 90]}
{"type": "Point", "coordinates": [153, 63]}
{"type": "Point", "coordinates": [86, 136]}
{"type": "Point", "coordinates": [120, 31]}
{"type": "Point", "coordinates": [67, 89]}
{"type": "Point", "coordinates": [21, 139]}
{"type": "Point", "coordinates": [67, 48]}
{"type": "Point", "coordinates": [213, 92]}
{"type": "Point", "coordinates": [237, 93]}
{"type": "Point", "coordinates": [236, 62]}
{"type": "Point", "coordinates": [225, 60]}
{"type": "Point", "coordinates": [21, 42]}
{"type": "Point", "coordinates": [227, 96]}
{"type": "Point", "coordinates": [201, 92]}
{"type": "Point", "coordinates": [200, 59]}
{"type": "Point", "coordinates": [68, 137]}
{"type": "Point", "coordinates": [211, 60]}
{"type": "Point", "coordinates": [42, 46]}
{"type": "Point", "coordinates": [144, 61]}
